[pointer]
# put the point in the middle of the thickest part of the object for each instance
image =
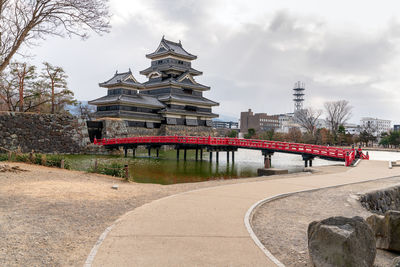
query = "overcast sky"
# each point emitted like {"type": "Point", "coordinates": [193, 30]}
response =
{"type": "Point", "coordinates": [252, 52]}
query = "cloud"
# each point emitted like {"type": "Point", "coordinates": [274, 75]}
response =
{"type": "Point", "coordinates": [250, 56]}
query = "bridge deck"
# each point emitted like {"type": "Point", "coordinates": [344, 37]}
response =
{"type": "Point", "coordinates": [327, 152]}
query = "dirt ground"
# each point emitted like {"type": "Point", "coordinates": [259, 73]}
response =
{"type": "Point", "coordinates": [281, 225]}
{"type": "Point", "coordinates": [53, 217]}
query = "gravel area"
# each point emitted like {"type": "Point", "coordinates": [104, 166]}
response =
{"type": "Point", "coordinates": [53, 217]}
{"type": "Point", "coordinates": [281, 225]}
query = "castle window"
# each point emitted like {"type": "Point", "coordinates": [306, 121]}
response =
{"type": "Point", "coordinates": [191, 108]}
{"type": "Point", "coordinates": [188, 91]}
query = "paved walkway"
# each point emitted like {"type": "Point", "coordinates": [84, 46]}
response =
{"type": "Point", "coordinates": [206, 227]}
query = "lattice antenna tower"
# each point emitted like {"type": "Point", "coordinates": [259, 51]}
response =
{"type": "Point", "coordinates": [298, 94]}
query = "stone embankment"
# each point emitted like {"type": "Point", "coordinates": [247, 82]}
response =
{"type": "Point", "coordinates": [61, 133]}
{"type": "Point", "coordinates": [116, 128]}
{"type": "Point", "coordinates": [42, 133]}
{"type": "Point", "coordinates": [383, 200]}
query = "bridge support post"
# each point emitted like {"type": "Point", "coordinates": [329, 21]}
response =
{"type": "Point", "coordinates": [201, 154]}
{"type": "Point", "coordinates": [267, 161]}
{"type": "Point", "coordinates": [307, 160]}
{"type": "Point", "coordinates": [197, 154]}
{"type": "Point", "coordinates": [158, 152]}
{"type": "Point", "coordinates": [134, 152]}
{"type": "Point", "coordinates": [210, 156]}
{"type": "Point", "coordinates": [267, 158]}
{"type": "Point", "coordinates": [184, 154]}
{"type": "Point", "coordinates": [125, 151]}
{"type": "Point", "coordinates": [177, 154]}
{"type": "Point", "coordinates": [149, 151]}
{"type": "Point", "coordinates": [233, 156]}
{"type": "Point", "coordinates": [217, 156]}
{"type": "Point", "coordinates": [227, 156]}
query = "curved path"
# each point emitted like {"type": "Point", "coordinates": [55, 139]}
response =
{"type": "Point", "coordinates": [206, 227]}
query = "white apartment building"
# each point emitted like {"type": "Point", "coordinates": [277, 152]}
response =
{"type": "Point", "coordinates": [375, 126]}
{"type": "Point", "coordinates": [352, 128]}
{"type": "Point", "coordinates": [286, 121]}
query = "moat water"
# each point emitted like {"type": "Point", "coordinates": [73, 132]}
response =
{"type": "Point", "coordinates": [167, 170]}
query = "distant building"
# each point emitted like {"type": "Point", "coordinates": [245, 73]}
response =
{"type": "Point", "coordinates": [258, 121]}
{"type": "Point", "coordinates": [225, 124]}
{"type": "Point", "coordinates": [352, 128]}
{"type": "Point", "coordinates": [286, 122]}
{"type": "Point", "coordinates": [375, 126]}
{"type": "Point", "coordinates": [396, 127]}
{"type": "Point", "coordinates": [171, 96]}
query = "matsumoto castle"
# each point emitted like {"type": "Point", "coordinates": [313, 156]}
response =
{"type": "Point", "coordinates": [171, 96]}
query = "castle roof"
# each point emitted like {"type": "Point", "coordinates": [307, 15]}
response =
{"type": "Point", "coordinates": [167, 47]}
{"type": "Point", "coordinates": [122, 79]}
{"type": "Point", "coordinates": [136, 99]}
{"type": "Point", "coordinates": [184, 80]}
{"type": "Point", "coordinates": [188, 99]}
{"type": "Point", "coordinates": [166, 67]}
{"type": "Point", "coordinates": [185, 112]}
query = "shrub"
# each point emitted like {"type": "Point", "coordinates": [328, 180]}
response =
{"type": "Point", "coordinates": [3, 157]}
{"type": "Point", "coordinates": [114, 169]}
{"type": "Point", "coordinates": [22, 158]}
{"type": "Point", "coordinates": [55, 161]}
{"type": "Point", "coordinates": [43, 160]}
{"type": "Point", "coordinates": [37, 159]}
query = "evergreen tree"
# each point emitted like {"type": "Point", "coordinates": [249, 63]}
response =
{"type": "Point", "coordinates": [55, 79]}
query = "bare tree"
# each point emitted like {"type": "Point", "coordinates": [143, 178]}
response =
{"type": "Point", "coordinates": [308, 119]}
{"type": "Point", "coordinates": [7, 94]}
{"type": "Point", "coordinates": [86, 111]}
{"type": "Point", "coordinates": [338, 113]}
{"type": "Point", "coordinates": [22, 21]}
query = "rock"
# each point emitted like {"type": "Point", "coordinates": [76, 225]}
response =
{"type": "Point", "coordinates": [395, 262]}
{"type": "Point", "coordinates": [380, 201]}
{"type": "Point", "coordinates": [341, 241]}
{"type": "Point", "coordinates": [386, 229]}
{"type": "Point", "coordinates": [115, 186]}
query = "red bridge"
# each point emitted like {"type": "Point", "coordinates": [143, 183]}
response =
{"type": "Point", "coordinates": [218, 144]}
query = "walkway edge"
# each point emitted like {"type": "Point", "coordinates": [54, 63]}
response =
{"type": "Point", "coordinates": [249, 214]}
{"type": "Point", "coordinates": [93, 252]}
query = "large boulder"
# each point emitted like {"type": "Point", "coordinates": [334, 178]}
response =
{"type": "Point", "coordinates": [386, 229]}
{"type": "Point", "coordinates": [396, 262]}
{"type": "Point", "coordinates": [341, 241]}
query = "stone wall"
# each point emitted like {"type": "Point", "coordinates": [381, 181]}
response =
{"type": "Point", "coordinates": [115, 128]}
{"type": "Point", "coordinates": [140, 131]}
{"type": "Point", "coordinates": [380, 201]}
{"type": "Point", "coordinates": [187, 130]}
{"type": "Point", "coordinates": [43, 133]}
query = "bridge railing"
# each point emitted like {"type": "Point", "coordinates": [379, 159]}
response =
{"type": "Point", "coordinates": [316, 150]}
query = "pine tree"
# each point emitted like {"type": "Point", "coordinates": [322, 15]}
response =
{"type": "Point", "coordinates": [55, 79]}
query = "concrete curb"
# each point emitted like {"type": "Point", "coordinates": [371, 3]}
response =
{"type": "Point", "coordinates": [250, 212]}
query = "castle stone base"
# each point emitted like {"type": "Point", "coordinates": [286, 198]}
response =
{"type": "Point", "coordinates": [118, 129]}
